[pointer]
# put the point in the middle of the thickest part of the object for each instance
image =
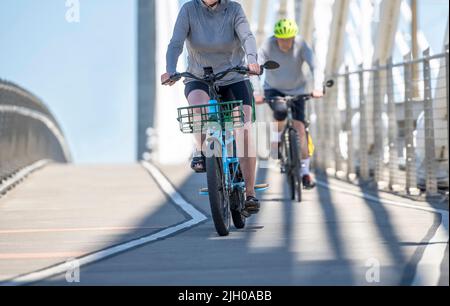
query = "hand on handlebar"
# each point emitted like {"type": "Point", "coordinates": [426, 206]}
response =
{"type": "Point", "coordinates": [259, 99]}
{"type": "Point", "coordinates": [316, 94]}
{"type": "Point", "coordinates": [254, 69]}
{"type": "Point", "coordinates": [165, 80]}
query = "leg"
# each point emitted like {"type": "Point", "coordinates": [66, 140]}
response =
{"type": "Point", "coordinates": [246, 149]}
{"type": "Point", "coordinates": [196, 94]}
{"type": "Point", "coordinates": [301, 130]}
{"type": "Point", "coordinates": [276, 139]}
{"type": "Point", "coordinates": [198, 97]}
{"type": "Point", "coordinates": [280, 113]}
{"type": "Point", "coordinates": [299, 125]}
{"type": "Point", "coordinates": [247, 152]}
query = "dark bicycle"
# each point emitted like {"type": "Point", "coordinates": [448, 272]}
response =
{"type": "Point", "coordinates": [290, 146]}
{"type": "Point", "coordinates": [218, 120]}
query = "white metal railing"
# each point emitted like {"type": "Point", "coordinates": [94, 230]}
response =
{"type": "Point", "coordinates": [388, 124]}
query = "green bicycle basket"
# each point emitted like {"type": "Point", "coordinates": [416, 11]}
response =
{"type": "Point", "coordinates": [197, 119]}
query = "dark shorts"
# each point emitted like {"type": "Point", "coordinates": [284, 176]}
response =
{"type": "Point", "coordinates": [298, 110]}
{"type": "Point", "coordinates": [240, 91]}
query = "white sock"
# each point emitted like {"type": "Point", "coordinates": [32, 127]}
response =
{"type": "Point", "coordinates": [196, 153]}
{"type": "Point", "coordinates": [305, 167]}
{"type": "Point", "coordinates": [276, 136]}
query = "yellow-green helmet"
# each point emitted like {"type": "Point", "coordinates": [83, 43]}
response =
{"type": "Point", "coordinates": [286, 28]}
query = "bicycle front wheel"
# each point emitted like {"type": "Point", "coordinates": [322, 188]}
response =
{"type": "Point", "coordinates": [218, 197]}
{"type": "Point", "coordinates": [237, 198]}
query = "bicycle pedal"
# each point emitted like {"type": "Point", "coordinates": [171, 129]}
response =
{"type": "Point", "coordinates": [251, 211]}
{"type": "Point", "coordinates": [203, 192]}
{"type": "Point", "coordinates": [262, 187]}
{"type": "Point", "coordinates": [246, 214]}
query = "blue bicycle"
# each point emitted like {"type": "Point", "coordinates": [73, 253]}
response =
{"type": "Point", "coordinates": [218, 120]}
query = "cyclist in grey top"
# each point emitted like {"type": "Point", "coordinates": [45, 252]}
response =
{"type": "Point", "coordinates": [291, 52]}
{"type": "Point", "coordinates": [217, 35]}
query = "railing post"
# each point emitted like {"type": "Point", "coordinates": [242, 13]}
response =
{"type": "Point", "coordinates": [364, 161]}
{"type": "Point", "coordinates": [328, 133]}
{"type": "Point", "coordinates": [320, 134]}
{"type": "Point", "coordinates": [378, 125]}
{"type": "Point", "coordinates": [392, 127]}
{"type": "Point", "coordinates": [447, 93]}
{"type": "Point", "coordinates": [411, 182]}
{"type": "Point", "coordinates": [337, 127]}
{"type": "Point", "coordinates": [348, 126]}
{"type": "Point", "coordinates": [430, 146]}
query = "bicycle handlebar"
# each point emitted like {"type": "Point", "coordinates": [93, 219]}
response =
{"type": "Point", "coordinates": [210, 78]}
{"type": "Point", "coordinates": [327, 84]}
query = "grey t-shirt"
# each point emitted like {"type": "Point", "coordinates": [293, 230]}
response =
{"type": "Point", "coordinates": [289, 78]}
{"type": "Point", "coordinates": [220, 38]}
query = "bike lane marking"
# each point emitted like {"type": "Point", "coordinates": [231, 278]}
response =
{"type": "Point", "coordinates": [196, 217]}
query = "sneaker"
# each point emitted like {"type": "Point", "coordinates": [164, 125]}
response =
{"type": "Point", "coordinates": [252, 205]}
{"type": "Point", "coordinates": [308, 182]}
{"type": "Point", "coordinates": [282, 167]}
{"type": "Point", "coordinates": [198, 164]}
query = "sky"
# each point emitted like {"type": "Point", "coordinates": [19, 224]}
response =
{"type": "Point", "coordinates": [85, 72]}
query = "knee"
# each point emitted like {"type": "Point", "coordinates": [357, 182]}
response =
{"type": "Point", "coordinates": [280, 111]}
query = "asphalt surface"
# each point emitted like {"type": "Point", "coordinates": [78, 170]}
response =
{"type": "Point", "coordinates": [340, 235]}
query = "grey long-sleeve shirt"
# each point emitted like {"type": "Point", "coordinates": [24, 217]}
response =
{"type": "Point", "coordinates": [289, 78]}
{"type": "Point", "coordinates": [220, 38]}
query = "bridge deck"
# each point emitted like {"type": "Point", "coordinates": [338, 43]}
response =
{"type": "Point", "coordinates": [61, 212]}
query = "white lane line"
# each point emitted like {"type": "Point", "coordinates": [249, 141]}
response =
{"type": "Point", "coordinates": [166, 186]}
{"type": "Point", "coordinates": [428, 271]}
{"type": "Point", "coordinates": [22, 174]}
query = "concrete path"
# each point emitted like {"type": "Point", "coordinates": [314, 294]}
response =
{"type": "Point", "coordinates": [339, 235]}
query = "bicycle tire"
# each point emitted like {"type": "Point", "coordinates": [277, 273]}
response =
{"type": "Point", "coordinates": [296, 180]}
{"type": "Point", "coordinates": [287, 164]}
{"type": "Point", "coordinates": [218, 200]}
{"type": "Point", "coordinates": [237, 200]}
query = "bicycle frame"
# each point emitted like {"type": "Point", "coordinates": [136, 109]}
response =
{"type": "Point", "coordinates": [289, 121]}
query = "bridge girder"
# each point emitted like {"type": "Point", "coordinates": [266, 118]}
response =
{"type": "Point", "coordinates": [337, 35]}
{"type": "Point", "coordinates": [306, 20]}
{"type": "Point", "coordinates": [387, 29]}
{"type": "Point", "coordinates": [262, 17]}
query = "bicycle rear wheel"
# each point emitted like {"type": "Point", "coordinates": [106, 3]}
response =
{"type": "Point", "coordinates": [294, 177]}
{"type": "Point", "coordinates": [218, 198]}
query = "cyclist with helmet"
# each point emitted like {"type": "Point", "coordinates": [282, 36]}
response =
{"type": "Point", "coordinates": [288, 49]}
{"type": "Point", "coordinates": [218, 35]}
